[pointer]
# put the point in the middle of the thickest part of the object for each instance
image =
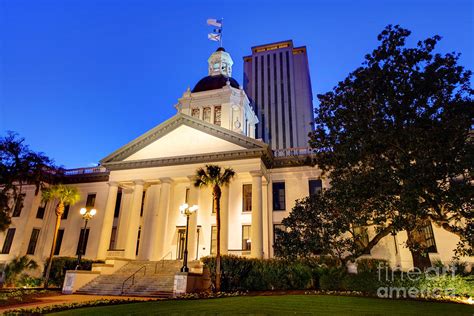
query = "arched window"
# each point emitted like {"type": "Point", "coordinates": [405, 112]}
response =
{"type": "Point", "coordinates": [206, 115]}
{"type": "Point", "coordinates": [217, 115]}
{"type": "Point", "coordinates": [195, 113]}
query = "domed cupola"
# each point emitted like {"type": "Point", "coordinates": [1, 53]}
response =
{"type": "Point", "coordinates": [225, 104]}
{"type": "Point", "coordinates": [219, 70]}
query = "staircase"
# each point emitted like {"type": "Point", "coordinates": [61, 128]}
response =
{"type": "Point", "coordinates": [136, 278]}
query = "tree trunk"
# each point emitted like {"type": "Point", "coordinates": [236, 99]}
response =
{"type": "Point", "coordinates": [59, 213]}
{"type": "Point", "coordinates": [217, 200]}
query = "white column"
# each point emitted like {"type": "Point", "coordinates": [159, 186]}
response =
{"type": "Point", "coordinates": [257, 217]}
{"type": "Point", "coordinates": [123, 220]}
{"type": "Point", "coordinates": [193, 199]}
{"type": "Point", "coordinates": [271, 233]}
{"type": "Point", "coordinates": [108, 221]}
{"type": "Point", "coordinates": [225, 220]}
{"type": "Point", "coordinates": [150, 223]}
{"type": "Point", "coordinates": [134, 220]}
{"type": "Point", "coordinates": [162, 221]}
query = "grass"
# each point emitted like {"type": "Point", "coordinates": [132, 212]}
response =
{"type": "Point", "coordinates": [280, 305]}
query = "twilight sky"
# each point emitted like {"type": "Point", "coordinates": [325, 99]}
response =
{"type": "Point", "coordinates": [81, 78]}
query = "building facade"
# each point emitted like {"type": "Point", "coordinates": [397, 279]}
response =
{"type": "Point", "coordinates": [138, 189]}
{"type": "Point", "coordinates": [277, 81]}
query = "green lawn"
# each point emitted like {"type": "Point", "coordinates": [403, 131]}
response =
{"type": "Point", "coordinates": [280, 305]}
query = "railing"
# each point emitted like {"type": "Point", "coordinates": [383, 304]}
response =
{"type": "Point", "coordinates": [293, 151]}
{"type": "Point", "coordinates": [89, 170]}
{"type": "Point", "coordinates": [162, 260]}
{"type": "Point", "coordinates": [133, 278]}
{"type": "Point", "coordinates": [239, 252]}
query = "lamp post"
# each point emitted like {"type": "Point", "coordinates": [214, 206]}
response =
{"type": "Point", "coordinates": [86, 215]}
{"type": "Point", "coordinates": [187, 211]}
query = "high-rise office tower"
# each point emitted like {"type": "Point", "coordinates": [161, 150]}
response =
{"type": "Point", "coordinates": [278, 84]}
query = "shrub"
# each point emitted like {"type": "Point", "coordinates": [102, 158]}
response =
{"type": "Point", "coordinates": [240, 273]}
{"type": "Point", "coordinates": [16, 267]}
{"type": "Point", "coordinates": [370, 264]}
{"type": "Point", "coordinates": [62, 264]}
{"type": "Point", "coordinates": [332, 279]}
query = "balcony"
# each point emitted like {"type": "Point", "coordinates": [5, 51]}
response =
{"type": "Point", "coordinates": [82, 171]}
{"type": "Point", "coordinates": [293, 152]}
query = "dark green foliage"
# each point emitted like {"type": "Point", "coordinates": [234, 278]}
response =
{"type": "Point", "coordinates": [394, 138]}
{"type": "Point", "coordinates": [61, 264]}
{"type": "Point", "coordinates": [332, 279]}
{"type": "Point", "coordinates": [15, 268]}
{"type": "Point", "coordinates": [257, 275]}
{"type": "Point", "coordinates": [19, 165]}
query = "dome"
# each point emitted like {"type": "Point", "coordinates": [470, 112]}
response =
{"type": "Point", "coordinates": [214, 82]}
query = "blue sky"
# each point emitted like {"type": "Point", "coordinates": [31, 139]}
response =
{"type": "Point", "coordinates": [79, 79]}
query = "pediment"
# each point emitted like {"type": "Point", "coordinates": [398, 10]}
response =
{"type": "Point", "coordinates": [180, 137]}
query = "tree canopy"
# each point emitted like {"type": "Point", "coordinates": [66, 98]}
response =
{"type": "Point", "coordinates": [19, 165]}
{"type": "Point", "coordinates": [393, 137]}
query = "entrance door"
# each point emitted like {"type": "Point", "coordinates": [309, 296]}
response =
{"type": "Point", "coordinates": [180, 243]}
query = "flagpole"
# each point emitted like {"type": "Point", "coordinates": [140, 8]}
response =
{"type": "Point", "coordinates": [222, 32]}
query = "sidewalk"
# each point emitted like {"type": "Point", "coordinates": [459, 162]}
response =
{"type": "Point", "coordinates": [67, 299]}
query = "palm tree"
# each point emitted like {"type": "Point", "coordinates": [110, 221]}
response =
{"type": "Point", "coordinates": [213, 177]}
{"type": "Point", "coordinates": [64, 195]}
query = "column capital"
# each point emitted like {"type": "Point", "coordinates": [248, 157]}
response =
{"type": "Point", "coordinates": [192, 177]}
{"type": "Point", "coordinates": [166, 180]}
{"type": "Point", "coordinates": [113, 184]}
{"type": "Point", "coordinates": [256, 173]}
{"type": "Point", "coordinates": [138, 182]}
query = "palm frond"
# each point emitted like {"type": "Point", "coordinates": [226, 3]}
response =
{"type": "Point", "coordinates": [62, 193]}
{"type": "Point", "coordinates": [226, 176]}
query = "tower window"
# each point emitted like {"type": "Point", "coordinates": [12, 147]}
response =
{"type": "Point", "coordinates": [207, 114]}
{"type": "Point", "coordinates": [217, 115]}
{"type": "Point", "coordinates": [195, 113]}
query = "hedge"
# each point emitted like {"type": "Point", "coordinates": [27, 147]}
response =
{"type": "Point", "coordinates": [243, 274]}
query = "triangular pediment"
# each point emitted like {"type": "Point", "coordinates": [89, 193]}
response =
{"type": "Point", "coordinates": [180, 139]}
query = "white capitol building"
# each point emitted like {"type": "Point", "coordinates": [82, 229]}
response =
{"type": "Point", "coordinates": [139, 188]}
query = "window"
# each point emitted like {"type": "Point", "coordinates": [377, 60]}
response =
{"type": "Point", "coordinates": [279, 196]}
{"type": "Point", "coordinates": [33, 240]}
{"type": "Point", "coordinates": [118, 202]}
{"type": "Point", "coordinates": [213, 240]}
{"type": "Point", "coordinates": [41, 210]}
{"type": "Point", "coordinates": [90, 200]}
{"type": "Point", "coordinates": [247, 198]}
{"type": "Point", "coordinates": [430, 243]}
{"type": "Point", "coordinates": [66, 211]}
{"type": "Point", "coordinates": [113, 237]}
{"type": "Point", "coordinates": [276, 229]}
{"type": "Point", "coordinates": [206, 115]}
{"type": "Point", "coordinates": [82, 244]}
{"type": "Point", "coordinates": [138, 240]}
{"type": "Point", "coordinates": [195, 113]}
{"type": "Point", "coordinates": [315, 186]}
{"type": "Point", "coordinates": [18, 205]}
{"type": "Point", "coordinates": [59, 241]}
{"type": "Point", "coordinates": [217, 115]}
{"type": "Point", "coordinates": [213, 211]}
{"type": "Point", "coordinates": [143, 204]}
{"type": "Point", "coordinates": [246, 242]}
{"type": "Point", "coordinates": [7, 244]}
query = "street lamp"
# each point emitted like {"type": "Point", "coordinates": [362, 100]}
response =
{"type": "Point", "coordinates": [187, 211]}
{"type": "Point", "coordinates": [86, 215]}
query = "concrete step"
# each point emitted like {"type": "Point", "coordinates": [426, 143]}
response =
{"type": "Point", "coordinates": [157, 279]}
